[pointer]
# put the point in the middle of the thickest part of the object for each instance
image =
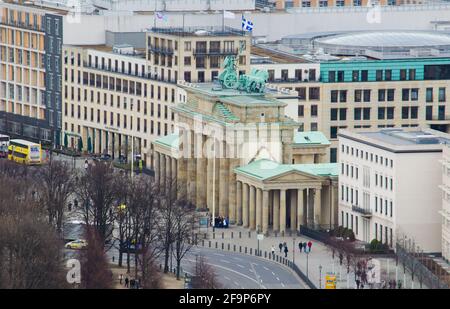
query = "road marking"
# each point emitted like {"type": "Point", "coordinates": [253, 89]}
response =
{"type": "Point", "coordinates": [282, 284]}
{"type": "Point", "coordinates": [256, 275]}
{"type": "Point", "coordinates": [226, 278]}
{"type": "Point", "coordinates": [239, 265]}
{"type": "Point", "coordinates": [273, 273]}
{"type": "Point", "coordinates": [233, 271]}
{"type": "Point", "coordinates": [237, 259]}
{"type": "Point", "coordinates": [266, 268]}
{"type": "Point", "coordinates": [218, 254]}
{"type": "Point", "coordinates": [278, 279]}
{"type": "Point", "coordinates": [236, 283]}
{"type": "Point", "coordinates": [225, 261]}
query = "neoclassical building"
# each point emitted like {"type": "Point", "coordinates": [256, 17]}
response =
{"type": "Point", "coordinates": [237, 154]}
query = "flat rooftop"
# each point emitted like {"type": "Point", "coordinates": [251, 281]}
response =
{"type": "Point", "coordinates": [139, 52]}
{"type": "Point", "coordinates": [199, 31]}
{"type": "Point", "coordinates": [275, 56]}
{"type": "Point", "coordinates": [397, 140]}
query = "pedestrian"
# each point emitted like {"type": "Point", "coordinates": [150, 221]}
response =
{"type": "Point", "coordinates": [280, 246]}
{"type": "Point", "coordinates": [357, 283]}
{"type": "Point", "coordinates": [273, 250]}
{"type": "Point", "coordinates": [120, 278]}
{"type": "Point", "coordinates": [86, 165]}
{"type": "Point", "coordinates": [285, 251]}
{"type": "Point", "coordinates": [126, 282]}
{"type": "Point", "coordinates": [300, 246]}
{"type": "Point", "coordinates": [309, 245]}
{"type": "Point", "coordinates": [132, 283]}
{"type": "Point", "coordinates": [304, 247]}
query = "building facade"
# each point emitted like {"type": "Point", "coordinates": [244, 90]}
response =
{"type": "Point", "coordinates": [195, 54]}
{"type": "Point", "coordinates": [239, 156]}
{"type": "Point", "coordinates": [111, 101]}
{"type": "Point", "coordinates": [30, 73]}
{"type": "Point", "coordinates": [389, 185]}
{"type": "Point", "coordinates": [445, 212]}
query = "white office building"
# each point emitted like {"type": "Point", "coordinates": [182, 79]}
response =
{"type": "Point", "coordinates": [389, 185]}
{"type": "Point", "coordinates": [445, 212]}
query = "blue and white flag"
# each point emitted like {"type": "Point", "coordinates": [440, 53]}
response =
{"type": "Point", "coordinates": [247, 25]}
{"type": "Point", "coordinates": [161, 16]}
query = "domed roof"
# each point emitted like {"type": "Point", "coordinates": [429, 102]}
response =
{"type": "Point", "coordinates": [387, 39]}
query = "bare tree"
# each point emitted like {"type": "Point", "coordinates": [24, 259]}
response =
{"type": "Point", "coordinates": [55, 184]}
{"type": "Point", "coordinates": [95, 272]}
{"type": "Point", "coordinates": [98, 189]}
{"type": "Point", "coordinates": [183, 229]}
{"type": "Point", "coordinates": [30, 251]}
{"type": "Point", "coordinates": [144, 213]}
{"type": "Point", "coordinates": [204, 275]}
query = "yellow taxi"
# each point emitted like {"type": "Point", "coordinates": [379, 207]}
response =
{"type": "Point", "coordinates": [77, 244]}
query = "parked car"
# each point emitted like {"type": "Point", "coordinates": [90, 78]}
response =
{"type": "Point", "coordinates": [77, 244]}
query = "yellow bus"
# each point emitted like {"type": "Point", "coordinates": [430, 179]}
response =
{"type": "Point", "coordinates": [24, 152]}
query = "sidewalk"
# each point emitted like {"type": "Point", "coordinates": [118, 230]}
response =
{"type": "Point", "coordinates": [309, 264]}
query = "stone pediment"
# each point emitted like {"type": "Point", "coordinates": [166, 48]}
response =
{"type": "Point", "coordinates": [294, 176]}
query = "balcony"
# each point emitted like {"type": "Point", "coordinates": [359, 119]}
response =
{"type": "Point", "coordinates": [161, 50]}
{"type": "Point", "coordinates": [363, 211]}
{"type": "Point", "coordinates": [215, 52]}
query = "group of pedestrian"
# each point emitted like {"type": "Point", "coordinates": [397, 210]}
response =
{"type": "Point", "coordinates": [221, 222]}
{"type": "Point", "coordinates": [129, 283]}
{"type": "Point", "coordinates": [305, 246]}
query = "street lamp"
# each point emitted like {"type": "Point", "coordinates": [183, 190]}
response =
{"type": "Point", "coordinates": [320, 276]}
{"type": "Point", "coordinates": [293, 250]}
{"type": "Point", "coordinates": [307, 257]}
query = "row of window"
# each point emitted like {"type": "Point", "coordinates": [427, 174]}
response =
{"type": "Point", "coordinates": [352, 224]}
{"type": "Point", "coordinates": [384, 161]}
{"type": "Point", "coordinates": [138, 109]}
{"type": "Point", "coordinates": [385, 95]}
{"type": "Point", "coordinates": [125, 122]}
{"type": "Point", "coordinates": [363, 75]}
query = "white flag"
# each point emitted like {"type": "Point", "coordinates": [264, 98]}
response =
{"type": "Point", "coordinates": [228, 14]}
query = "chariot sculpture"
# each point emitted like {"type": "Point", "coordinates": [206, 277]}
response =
{"type": "Point", "coordinates": [253, 83]}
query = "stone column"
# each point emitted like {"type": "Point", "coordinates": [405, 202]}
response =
{"type": "Point", "coordinates": [209, 182]}
{"type": "Point", "coordinates": [173, 162]}
{"type": "Point", "coordinates": [238, 202]}
{"type": "Point", "coordinates": [276, 210]}
{"type": "Point", "coordinates": [310, 206]}
{"type": "Point", "coordinates": [293, 209]}
{"type": "Point", "coordinates": [191, 167]}
{"type": "Point", "coordinates": [223, 181]}
{"type": "Point", "coordinates": [265, 212]}
{"type": "Point", "coordinates": [245, 205]}
{"type": "Point", "coordinates": [300, 209]}
{"type": "Point", "coordinates": [201, 172]}
{"type": "Point", "coordinates": [182, 165]}
{"type": "Point", "coordinates": [162, 178]}
{"type": "Point", "coordinates": [258, 209]}
{"type": "Point", "coordinates": [252, 208]}
{"type": "Point", "coordinates": [168, 171]}
{"type": "Point", "coordinates": [157, 167]}
{"type": "Point", "coordinates": [232, 194]}
{"type": "Point", "coordinates": [317, 206]}
{"type": "Point", "coordinates": [283, 211]}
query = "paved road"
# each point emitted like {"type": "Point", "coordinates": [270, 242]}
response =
{"type": "Point", "coordinates": [239, 271]}
{"type": "Point", "coordinates": [235, 270]}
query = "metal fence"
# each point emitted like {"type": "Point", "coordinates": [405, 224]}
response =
{"type": "Point", "coordinates": [411, 261]}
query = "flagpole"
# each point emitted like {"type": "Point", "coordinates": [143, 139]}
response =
{"type": "Point", "coordinates": [223, 20]}
{"type": "Point", "coordinates": [154, 15]}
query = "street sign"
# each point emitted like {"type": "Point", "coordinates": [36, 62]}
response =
{"type": "Point", "coordinates": [260, 236]}
{"type": "Point", "coordinates": [330, 282]}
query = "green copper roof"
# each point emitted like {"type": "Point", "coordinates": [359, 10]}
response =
{"type": "Point", "coordinates": [171, 141]}
{"type": "Point", "coordinates": [264, 169]}
{"type": "Point", "coordinates": [310, 138]}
